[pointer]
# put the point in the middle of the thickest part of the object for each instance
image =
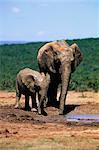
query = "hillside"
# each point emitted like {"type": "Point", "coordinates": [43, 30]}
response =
{"type": "Point", "coordinates": [14, 57]}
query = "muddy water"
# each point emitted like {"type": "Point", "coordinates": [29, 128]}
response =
{"type": "Point", "coordinates": [83, 118]}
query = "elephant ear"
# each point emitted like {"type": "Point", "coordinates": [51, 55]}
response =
{"type": "Point", "coordinates": [77, 54]}
{"type": "Point", "coordinates": [75, 48]}
{"type": "Point", "coordinates": [49, 57]}
{"type": "Point", "coordinates": [28, 81]}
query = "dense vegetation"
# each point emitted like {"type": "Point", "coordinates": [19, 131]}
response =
{"type": "Point", "coordinates": [14, 57]}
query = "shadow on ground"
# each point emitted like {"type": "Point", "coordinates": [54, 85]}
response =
{"type": "Point", "coordinates": [50, 115]}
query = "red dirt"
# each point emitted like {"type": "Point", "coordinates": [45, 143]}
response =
{"type": "Point", "coordinates": [18, 123]}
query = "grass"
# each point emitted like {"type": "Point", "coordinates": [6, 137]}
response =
{"type": "Point", "coordinates": [52, 143]}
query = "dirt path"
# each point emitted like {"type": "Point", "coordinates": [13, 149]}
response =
{"type": "Point", "coordinates": [27, 130]}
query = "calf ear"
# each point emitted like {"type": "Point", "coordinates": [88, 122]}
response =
{"type": "Point", "coordinates": [29, 82]}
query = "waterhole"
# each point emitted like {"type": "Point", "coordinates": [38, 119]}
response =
{"type": "Point", "coordinates": [83, 118]}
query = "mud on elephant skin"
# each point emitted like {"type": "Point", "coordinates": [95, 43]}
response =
{"type": "Point", "coordinates": [30, 83]}
{"type": "Point", "coordinates": [59, 60]}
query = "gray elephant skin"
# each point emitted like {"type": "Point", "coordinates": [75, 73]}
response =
{"type": "Point", "coordinates": [30, 83]}
{"type": "Point", "coordinates": [59, 60]}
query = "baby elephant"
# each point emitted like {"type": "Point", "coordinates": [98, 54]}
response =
{"type": "Point", "coordinates": [30, 82]}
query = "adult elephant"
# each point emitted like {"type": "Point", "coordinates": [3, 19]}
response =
{"type": "Point", "coordinates": [59, 60]}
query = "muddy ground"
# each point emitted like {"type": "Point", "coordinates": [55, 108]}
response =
{"type": "Point", "coordinates": [20, 129]}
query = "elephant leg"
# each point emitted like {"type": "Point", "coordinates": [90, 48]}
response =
{"type": "Point", "coordinates": [34, 105]}
{"type": "Point", "coordinates": [45, 102]}
{"type": "Point", "coordinates": [52, 94]}
{"type": "Point", "coordinates": [18, 96]}
{"type": "Point", "coordinates": [52, 91]}
{"type": "Point", "coordinates": [27, 107]}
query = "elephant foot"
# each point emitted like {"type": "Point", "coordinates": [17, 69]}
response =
{"type": "Point", "coordinates": [16, 106]}
{"type": "Point", "coordinates": [39, 113]}
{"type": "Point", "coordinates": [42, 113]}
{"type": "Point", "coordinates": [27, 108]}
{"type": "Point", "coordinates": [34, 110]}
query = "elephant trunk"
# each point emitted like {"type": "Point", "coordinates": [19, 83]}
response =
{"type": "Point", "coordinates": [65, 77]}
{"type": "Point", "coordinates": [40, 105]}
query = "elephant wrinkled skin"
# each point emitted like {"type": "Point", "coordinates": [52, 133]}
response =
{"type": "Point", "coordinates": [59, 60]}
{"type": "Point", "coordinates": [30, 82]}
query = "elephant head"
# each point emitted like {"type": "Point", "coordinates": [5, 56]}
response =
{"type": "Point", "coordinates": [35, 81]}
{"type": "Point", "coordinates": [59, 58]}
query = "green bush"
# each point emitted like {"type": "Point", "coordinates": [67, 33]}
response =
{"type": "Point", "coordinates": [15, 57]}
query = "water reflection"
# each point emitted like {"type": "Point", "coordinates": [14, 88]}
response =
{"type": "Point", "coordinates": [90, 118]}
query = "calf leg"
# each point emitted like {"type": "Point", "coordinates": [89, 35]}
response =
{"type": "Point", "coordinates": [34, 105]}
{"type": "Point", "coordinates": [27, 107]}
{"type": "Point", "coordinates": [18, 96]}
{"type": "Point", "coordinates": [45, 102]}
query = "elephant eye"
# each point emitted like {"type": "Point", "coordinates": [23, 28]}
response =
{"type": "Point", "coordinates": [46, 50]}
{"type": "Point", "coordinates": [55, 53]}
{"type": "Point", "coordinates": [74, 55]}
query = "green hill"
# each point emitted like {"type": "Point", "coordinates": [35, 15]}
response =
{"type": "Point", "coordinates": [15, 57]}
